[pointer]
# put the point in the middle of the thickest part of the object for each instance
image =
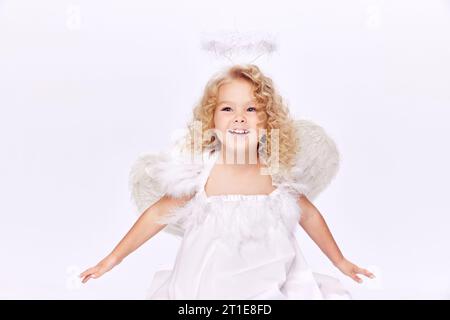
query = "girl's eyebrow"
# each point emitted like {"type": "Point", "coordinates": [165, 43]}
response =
{"type": "Point", "coordinates": [230, 102]}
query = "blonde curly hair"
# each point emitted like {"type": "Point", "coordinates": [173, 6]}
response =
{"type": "Point", "coordinates": [275, 115]}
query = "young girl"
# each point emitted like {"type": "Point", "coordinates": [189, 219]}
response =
{"type": "Point", "coordinates": [236, 190]}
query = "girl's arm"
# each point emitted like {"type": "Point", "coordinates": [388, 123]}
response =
{"type": "Point", "coordinates": [142, 230]}
{"type": "Point", "coordinates": [314, 224]}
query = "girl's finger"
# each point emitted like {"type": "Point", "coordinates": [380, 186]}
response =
{"type": "Point", "coordinates": [85, 279]}
{"type": "Point", "coordinates": [366, 272]}
{"type": "Point", "coordinates": [356, 278]}
{"type": "Point", "coordinates": [369, 274]}
{"type": "Point", "coordinates": [88, 276]}
{"type": "Point", "coordinates": [81, 275]}
{"type": "Point", "coordinates": [94, 275]}
{"type": "Point", "coordinates": [84, 273]}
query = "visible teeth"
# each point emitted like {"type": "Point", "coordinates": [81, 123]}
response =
{"type": "Point", "coordinates": [239, 131]}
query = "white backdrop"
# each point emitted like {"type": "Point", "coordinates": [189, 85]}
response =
{"type": "Point", "coordinates": [85, 87]}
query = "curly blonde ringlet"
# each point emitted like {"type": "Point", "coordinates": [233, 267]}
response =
{"type": "Point", "coordinates": [274, 114]}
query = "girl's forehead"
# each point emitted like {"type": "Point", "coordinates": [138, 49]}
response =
{"type": "Point", "coordinates": [236, 92]}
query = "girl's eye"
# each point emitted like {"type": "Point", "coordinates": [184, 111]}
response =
{"type": "Point", "coordinates": [226, 109]}
{"type": "Point", "coordinates": [251, 109]}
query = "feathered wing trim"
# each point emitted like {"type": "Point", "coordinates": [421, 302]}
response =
{"type": "Point", "coordinates": [317, 161]}
{"type": "Point", "coordinates": [154, 175]}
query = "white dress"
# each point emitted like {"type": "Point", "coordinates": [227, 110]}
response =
{"type": "Point", "coordinates": [232, 246]}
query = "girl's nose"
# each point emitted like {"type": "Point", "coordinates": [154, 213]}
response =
{"type": "Point", "coordinates": [239, 120]}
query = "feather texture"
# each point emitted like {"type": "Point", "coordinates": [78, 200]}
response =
{"type": "Point", "coordinates": [154, 175]}
{"type": "Point", "coordinates": [241, 217]}
{"type": "Point", "coordinates": [317, 161]}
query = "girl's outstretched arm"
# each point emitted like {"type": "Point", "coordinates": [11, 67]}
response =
{"type": "Point", "coordinates": [314, 224]}
{"type": "Point", "coordinates": [141, 231]}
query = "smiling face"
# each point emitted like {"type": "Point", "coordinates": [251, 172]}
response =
{"type": "Point", "coordinates": [237, 118]}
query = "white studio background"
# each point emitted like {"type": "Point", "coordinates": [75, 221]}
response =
{"type": "Point", "coordinates": [86, 87]}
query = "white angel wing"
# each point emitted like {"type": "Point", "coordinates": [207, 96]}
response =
{"type": "Point", "coordinates": [317, 161]}
{"type": "Point", "coordinates": [155, 174]}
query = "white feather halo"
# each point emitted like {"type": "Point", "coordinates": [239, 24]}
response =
{"type": "Point", "coordinates": [237, 46]}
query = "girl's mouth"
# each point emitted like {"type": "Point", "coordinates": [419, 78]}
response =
{"type": "Point", "coordinates": [239, 131]}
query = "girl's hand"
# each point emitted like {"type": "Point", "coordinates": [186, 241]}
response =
{"type": "Point", "coordinates": [102, 267]}
{"type": "Point", "coordinates": [351, 270]}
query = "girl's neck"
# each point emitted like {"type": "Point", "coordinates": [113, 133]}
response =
{"type": "Point", "coordinates": [244, 160]}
